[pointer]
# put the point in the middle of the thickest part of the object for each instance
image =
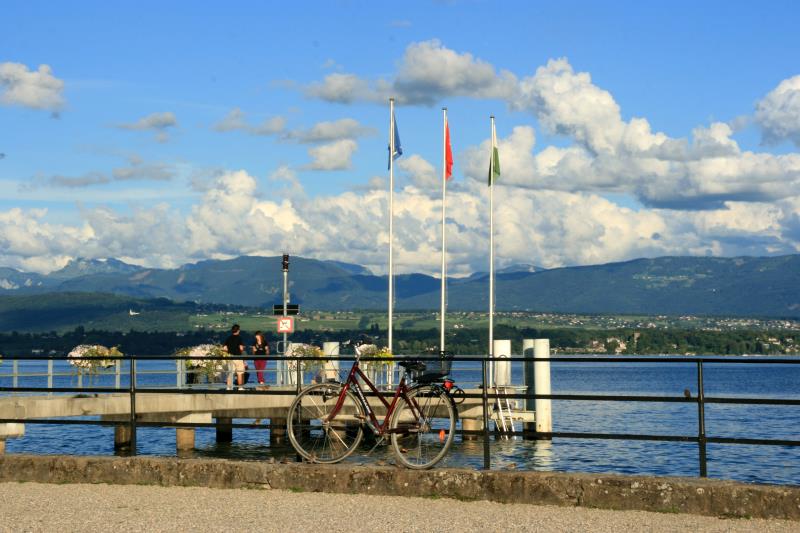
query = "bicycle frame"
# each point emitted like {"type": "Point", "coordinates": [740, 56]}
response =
{"type": "Point", "coordinates": [380, 428]}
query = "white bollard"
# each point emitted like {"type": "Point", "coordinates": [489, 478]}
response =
{"type": "Point", "coordinates": [502, 369]}
{"type": "Point", "coordinates": [331, 349]}
{"type": "Point", "coordinates": [541, 372]}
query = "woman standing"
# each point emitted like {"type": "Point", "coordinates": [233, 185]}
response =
{"type": "Point", "coordinates": [260, 348]}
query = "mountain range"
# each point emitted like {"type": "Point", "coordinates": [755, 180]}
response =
{"type": "Point", "coordinates": [739, 286]}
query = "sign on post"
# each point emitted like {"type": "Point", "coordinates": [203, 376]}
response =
{"type": "Point", "coordinates": [286, 324]}
{"type": "Point", "coordinates": [291, 309]}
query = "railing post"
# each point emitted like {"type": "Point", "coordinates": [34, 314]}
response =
{"type": "Point", "coordinates": [132, 394]}
{"type": "Point", "coordinates": [15, 373]}
{"type": "Point", "coordinates": [701, 420]}
{"type": "Point", "coordinates": [487, 464]}
{"type": "Point", "coordinates": [118, 374]}
{"type": "Point", "coordinates": [178, 373]}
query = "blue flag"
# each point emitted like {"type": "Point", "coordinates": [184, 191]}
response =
{"type": "Point", "coordinates": [398, 150]}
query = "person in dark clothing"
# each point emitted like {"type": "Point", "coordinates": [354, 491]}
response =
{"type": "Point", "coordinates": [235, 347]}
{"type": "Point", "coordinates": [260, 348]}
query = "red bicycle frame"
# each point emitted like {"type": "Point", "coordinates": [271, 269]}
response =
{"type": "Point", "coordinates": [352, 381]}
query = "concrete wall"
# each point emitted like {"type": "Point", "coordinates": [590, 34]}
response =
{"type": "Point", "coordinates": [707, 497]}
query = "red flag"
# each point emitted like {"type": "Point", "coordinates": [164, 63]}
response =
{"type": "Point", "coordinates": [448, 153]}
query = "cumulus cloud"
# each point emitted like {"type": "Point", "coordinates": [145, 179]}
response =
{"type": "Point", "coordinates": [778, 113]}
{"type": "Point", "coordinates": [238, 215]}
{"type": "Point", "coordinates": [422, 174]}
{"type": "Point", "coordinates": [332, 156]}
{"type": "Point", "coordinates": [428, 72]}
{"type": "Point", "coordinates": [37, 89]}
{"type": "Point", "coordinates": [236, 120]}
{"type": "Point", "coordinates": [157, 123]}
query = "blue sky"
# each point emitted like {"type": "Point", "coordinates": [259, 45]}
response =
{"type": "Point", "coordinates": [164, 134]}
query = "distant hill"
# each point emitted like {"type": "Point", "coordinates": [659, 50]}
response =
{"type": "Point", "coordinates": [741, 286]}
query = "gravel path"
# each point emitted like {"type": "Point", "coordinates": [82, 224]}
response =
{"type": "Point", "coordinates": [64, 508]}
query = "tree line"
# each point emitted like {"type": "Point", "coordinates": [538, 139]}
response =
{"type": "Point", "coordinates": [407, 342]}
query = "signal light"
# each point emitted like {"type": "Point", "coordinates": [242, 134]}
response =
{"type": "Point", "coordinates": [285, 262]}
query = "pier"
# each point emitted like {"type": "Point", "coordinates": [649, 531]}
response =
{"type": "Point", "coordinates": [185, 406]}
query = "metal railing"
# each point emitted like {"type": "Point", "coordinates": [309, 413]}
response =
{"type": "Point", "coordinates": [700, 399]}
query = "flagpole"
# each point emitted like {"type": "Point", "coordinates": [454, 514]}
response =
{"type": "Point", "coordinates": [391, 221]}
{"type": "Point", "coordinates": [444, 242]}
{"type": "Point", "coordinates": [491, 254]}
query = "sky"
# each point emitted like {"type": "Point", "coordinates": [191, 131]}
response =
{"type": "Point", "coordinates": [169, 133]}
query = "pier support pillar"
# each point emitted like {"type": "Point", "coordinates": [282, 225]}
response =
{"type": "Point", "coordinates": [277, 432]}
{"type": "Point", "coordinates": [541, 371]}
{"type": "Point", "coordinates": [122, 436]}
{"type": "Point", "coordinates": [184, 439]}
{"type": "Point", "coordinates": [224, 430]}
{"type": "Point", "coordinates": [10, 430]}
{"type": "Point", "coordinates": [471, 429]}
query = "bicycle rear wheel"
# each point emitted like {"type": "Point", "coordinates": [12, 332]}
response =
{"type": "Point", "coordinates": [423, 427]}
{"type": "Point", "coordinates": [311, 431]}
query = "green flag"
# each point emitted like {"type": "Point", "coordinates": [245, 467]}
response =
{"type": "Point", "coordinates": [494, 163]}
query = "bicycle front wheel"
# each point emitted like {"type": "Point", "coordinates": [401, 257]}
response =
{"type": "Point", "coordinates": [423, 427]}
{"type": "Point", "coordinates": [315, 432]}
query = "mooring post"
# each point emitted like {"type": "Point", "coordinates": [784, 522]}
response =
{"type": "Point", "coordinates": [331, 349]}
{"type": "Point", "coordinates": [541, 373]}
{"type": "Point", "coordinates": [530, 385]}
{"type": "Point", "coordinates": [224, 429]}
{"type": "Point", "coordinates": [502, 365]}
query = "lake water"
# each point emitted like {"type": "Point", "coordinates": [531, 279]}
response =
{"type": "Point", "coordinates": [766, 464]}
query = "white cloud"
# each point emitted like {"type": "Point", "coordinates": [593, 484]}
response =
{"type": "Point", "coordinates": [236, 120]}
{"type": "Point", "coordinates": [428, 72]}
{"type": "Point", "coordinates": [238, 216]}
{"type": "Point", "coordinates": [346, 128]}
{"type": "Point", "coordinates": [157, 123]}
{"type": "Point", "coordinates": [422, 174]}
{"type": "Point", "coordinates": [778, 113]}
{"type": "Point", "coordinates": [136, 170]}
{"type": "Point", "coordinates": [38, 89]}
{"type": "Point", "coordinates": [345, 88]}
{"type": "Point", "coordinates": [332, 156]}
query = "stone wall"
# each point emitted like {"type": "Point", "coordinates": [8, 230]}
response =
{"type": "Point", "coordinates": [664, 494]}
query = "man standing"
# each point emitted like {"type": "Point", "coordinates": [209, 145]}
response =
{"type": "Point", "coordinates": [235, 347]}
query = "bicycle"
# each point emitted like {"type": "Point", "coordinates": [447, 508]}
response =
{"type": "Point", "coordinates": [326, 421]}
